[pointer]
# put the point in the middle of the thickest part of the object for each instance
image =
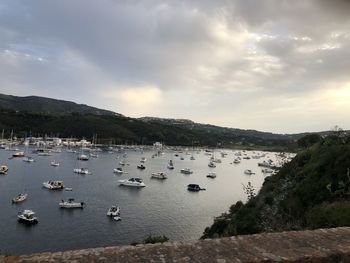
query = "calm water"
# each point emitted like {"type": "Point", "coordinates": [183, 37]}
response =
{"type": "Point", "coordinates": [162, 207]}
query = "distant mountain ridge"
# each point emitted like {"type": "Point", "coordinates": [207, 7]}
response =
{"type": "Point", "coordinates": [36, 104]}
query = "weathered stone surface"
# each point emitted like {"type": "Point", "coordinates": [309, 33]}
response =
{"type": "Point", "coordinates": [318, 246]}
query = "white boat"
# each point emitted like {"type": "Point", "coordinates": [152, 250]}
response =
{"type": "Point", "coordinates": [133, 182]}
{"type": "Point", "coordinates": [143, 160]}
{"type": "Point", "coordinates": [68, 189]}
{"type": "Point", "coordinates": [71, 204]}
{"type": "Point", "coordinates": [186, 171]}
{"type": "Point", "coordinates": [81, 171]}
{"type": "Point", "coordinates": [113, 211]}
{"type": "Point", "coordinates": [27, 216]}
{"type": "Point", "coordinates": [211, 165]}
{"type": "Point", "coordinates": [18, 154]}
{"type": "Point", "coordinates": [159, 175]}
{"type": "Point", "coordinates": [141, 167]}
{"type": "Point", "coordinates": [28, 159]}
{"type": "Point", "coordinates": [248, 172]}
{"type": "Point", "coordinates": [194, 188]}
{"type": "Point", "coordinates": [53, 185]}
{"type": "Point", "coordinates": [83, 157]}
{"type": "Point", "coordinates": [119, 170]}
{"type": "Point", "coordinates": [267, 171]}
{"type": "Point", "coordinates": [211, 175]}
{"type": "Point", "coordinates": [192, 158]}
{"type": "Point", "coordinates": [122, 163]}
{"type": "Point", "coordinates": [94, 155]}
{"type": "Point", "coordinates": [171, 165]}
{"type": "Point", "coordinates": [236, 161]}
{"type": "Point", "coordinates": [3, 169]}
{"type": "Point", "coordinates": [117, 218]}
{"type": "Point", "coordinates": [55, 163]}
{"type": "Point", "coordinates": [19, 198]}
{"type": "Point", "coordinates": [267, 164]}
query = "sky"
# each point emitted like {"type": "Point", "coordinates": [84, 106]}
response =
{"type": "Point", "coordinates": [273, 65]}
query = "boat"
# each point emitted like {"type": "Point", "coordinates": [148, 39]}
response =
{"type": "Point", "coordinates": [182, 158]}
{"type": "Point", "coordinates": [211, 175]}
{"type": "Point", "coordinates": [248, 172]}
{"type": "Point", "coordinates": [83, 157]}
{"type": "Point", "coordinates": [117, 218]}
{"type": "Point", "coordinates": [19, 198]}
{"type": "Point", "coordinates": [94, 155]}
{"type": "Point", "coordinates": [27, 217]}
{"type": "Point", "coordinates": [133, 182]}
{"type": "Point", "coordinates": [18, 154]}
{"type": "Point", "coordinates": [55, 163]}
{"type": "Point", "coordinates": [68, 189]}
{"type": "Point", "coordinates": [71, 204]}
{"type": "Point", "coordinates": [192, 158]}
{"type": "Point", "coordinates": [54, 185]}
{"type": "Point", "coordinates": [267, 164]}
{"type": "Point", "coordinates": [159, 175]}
{"type": "Point", "coordinates": [267, 171]}
{"type": "Point", "coordinates": [211, 165]}
{"type": "Point", "coordinates": [141, 166]}
{"type": "Point", "coordinates": [194, 187]}
{"type": "Point", "coordinates": [119, 170]}
{"type": "Point", "coordinates": [113, 211]}
{"type": "Point", "coordinates": [3, 169]}
{"type": "Point", "coordinates": [122, 163]}
{"type": "Point", "coordinates": [186, 171]}
{"type": "Point", "coordinates": [28, 159]}
{"type": "Point", "coordinates": [81, 171]}
{"type": "Point", "coordinates": [170, 165]}
{"type": "Point", "coordinates": [143, 160]}
{"type": "Point", "coordinates": [236, 161]}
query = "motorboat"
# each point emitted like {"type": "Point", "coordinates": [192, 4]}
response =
{"type": "Point", "coordinates": [267, 164]}
{"type": "Point", "coordinates": [68, 189]}
{"type": "Point", "coordinates": [159, 175]}
{"type": "Point", "coordinates": [3, 169]}
{"type": "Point", "coordinates": [54, 185]}
{"type": "Point", "coordinates": [133, 182]}
{"type": "Point", "coordinates": [211, 175]}
{"type": "Point", "coordinates": [192, 158]}
{"type": "Point", "coordinates": [81, 170]}
{"type": "Point", "coordinates": [28, 159]}
{"type": "Point", "coordinates": [71, 204]}
{"type": "Point", "coordinates": [143, 160]}
{"type": "Point", "coordinates": [18, 154]}
{"type": "Point", "coordinates": [141, 166]}
{"type": "Point", "coordinates": [186, 171]}
{"type": "Point", "coordinates": [27, 217]}
{"type": "Point", "coordinates": [113, 211]}
{"type": "Point", "coordinates": [119, 170]}
{"type": "Point", "coordinates": [267, 171]}
{"type": "Point", "coordinates": [122, 163]}
{"type": "Point", "coordinates": [83, 157]}
{"type": "Point", "coordinates": [236, 161]}
{"type": "Point", "coordinates": [19, 198]}
{"type": "Point", "coordinates": [194, 187]}
{"type": "Point", "coordinates": [171, 165]}
{"type": "Point", "coordinates": [55, 163]}
{"type": "Point", "coordinates": [117, 218]}
{"type": "Point", "coordinates": [211, 165]}
{"type": "Point", "coordinates": [248, 172]}
{"type": "Point", "coordinates": [94, 155]}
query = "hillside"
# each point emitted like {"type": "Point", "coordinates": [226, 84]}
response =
{"type": "Point", "coordinates": [35, 104]}
{"type": "Point", "coordinates": [312, 191]}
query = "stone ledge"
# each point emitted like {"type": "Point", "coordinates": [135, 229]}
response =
{"type": "Point", "coordinates": [317, 246]}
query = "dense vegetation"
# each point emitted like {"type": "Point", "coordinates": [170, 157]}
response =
{"type": "Point", "coordinates": [120, 129]}
{"type": "Point", "coordinates": [152, 240]}
{"type": "Point", "coordinates": [312, 191]}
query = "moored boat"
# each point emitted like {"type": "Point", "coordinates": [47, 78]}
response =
{"type": "Point", "coordinates": [55, 163]}
{"type": "Point", "coordinates": [141, 167]}
{"type": "Point", "coordinates": [171, 165]}
{"type": "Point", "coordinates": [194, 188]}
{"type": "Point", "coordinates": [27, 217]}
{"type": "Point", "coordinates": [248, 172]}
{"type": "Point", "coordinates": [81, 170]}
{"type": "Point", "coordinates": [211, 175]}
{"type": "Point", "coordinates": [54, 185]}
{"type": "Point", "coordinates": [159, 175]}
{"type": "Point", "coordinates": [133, 182]}
{"type": "Point", "coordinates": [18, 154]}
{"type": "Point", "coordinates": [28, 159]}
{"type": "Point", "coordinates": [186, 171]}
{"type": "Point", "coordinates": [119, 170]}
{"type": "Point", "coordinates": [71, 204]}
{"type": "Point", "coordinates": [83, 157]}
{"type": "Point", "coordinates": [113, 211]}
{"type": "Point", "coordinates": [3, 169]}
{"type": "Point", "coordinates": [20, 198]}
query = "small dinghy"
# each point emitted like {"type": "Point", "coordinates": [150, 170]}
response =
{"type": "Point", "coordinates": [81, 171]}
{"type": "Point", "coordinates": [27, 217]}
{"type": "Point", "coordinates": [3, 169]}
{"type": "Point", "coordinates": [248, 172]}
{"type": "Point", "coordinates": [55, 163]}
{"type": "Point", "coordinates": [119, 170]}
{"type": "Point", "coordinates": [19, 198]}
{"type": "Point", "coordinates": [117, 218]}
{"type": "Point", "coordinates": [113, 211]}
{"type": "Point", "coordinates": [211, 175]}
{"type": "Point", "coordinates": [68, 189]}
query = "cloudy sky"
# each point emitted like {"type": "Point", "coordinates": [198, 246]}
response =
{"type": "Point", "coordinates": [272, 65]}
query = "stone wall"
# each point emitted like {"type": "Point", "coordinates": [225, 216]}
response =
{"type": "Point", "coordinates": [318, 246]}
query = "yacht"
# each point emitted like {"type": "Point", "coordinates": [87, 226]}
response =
{"type": "Point", "coordinates": [83, 157]}
{"type": "Point", "coordinates": [119, 170]}
{"type": "Point", "coordinates": [3, 169]}
{"type": "Point", "coordinates": [211, 165]}
{"type": "Point", "coordinates": [170, 165]}
{"type": "Point", "coordinates": [141, 166]}
{"type": "Point", "coordinates": [186, 171]}
{"type": "Point", "coordinates": [113, 211]}
{"type": "Point", "coordinates": [71, 204]}
{"type": "Point", "coordinates": [19, 198]}
{"type": "Point", "coordinates": [28, 159]}
{"type": "Point", "coordinates": [55, 163]}
{"type": "Point", "coordinates": [194, 187]}
{"type": "Point", "coordinates": [159, 175]}
{"type": "Point", "coordinates": [27, 216]}
{"type": "Point", "coordinates": [18, 154]}
{"type": "Point", "coordinates": [192, 158]}
{"type": "Point", "coordinates": [211, 175]}
{"type": "Point", "coordinates": [248, 172]}
{"type": "Point", "coordinates": [53, 185]}
{"type": "Point", "coordinates": [133, 182]}
{"type": "Point", "coordinates": [81, 171]}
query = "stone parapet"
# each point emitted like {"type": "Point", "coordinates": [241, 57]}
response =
{"type": "Point", "coordinates": [317, 246]}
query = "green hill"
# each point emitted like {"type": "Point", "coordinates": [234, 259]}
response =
{"type": "Point", "coordinates": [312, 191]}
